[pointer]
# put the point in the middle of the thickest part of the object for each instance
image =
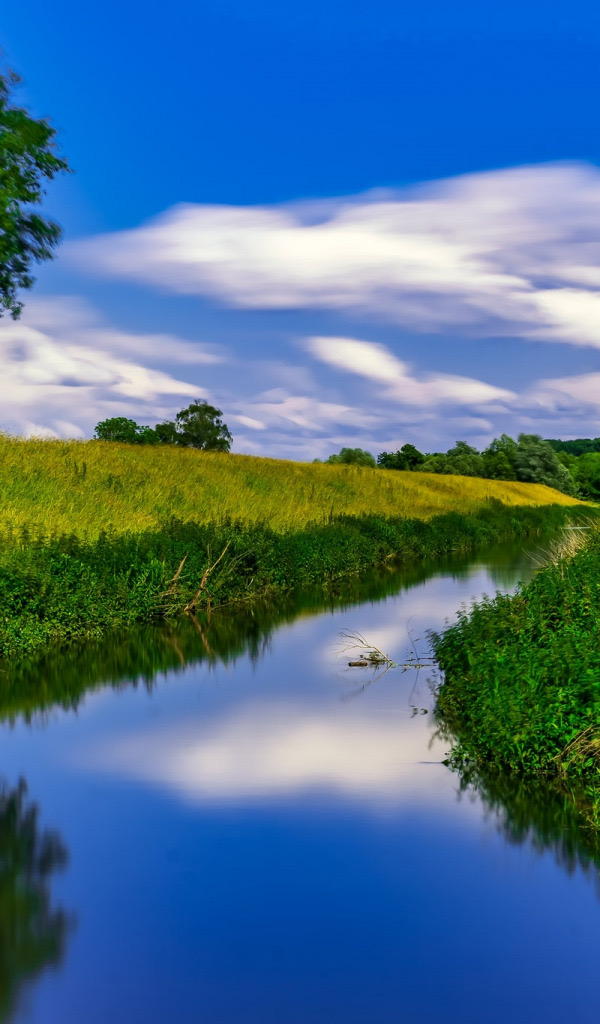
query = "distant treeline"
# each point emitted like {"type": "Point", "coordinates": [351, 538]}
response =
{"type": "Point", "coordinates": [572, 467]}
{"type": "Point", "coordinates": [528, 460]}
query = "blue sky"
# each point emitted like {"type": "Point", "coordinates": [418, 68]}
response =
{"type": "Point", "coordinates": [359, 224]}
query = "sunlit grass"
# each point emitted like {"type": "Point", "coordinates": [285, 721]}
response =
{"type": "Point", "coordinates": [85, 487]}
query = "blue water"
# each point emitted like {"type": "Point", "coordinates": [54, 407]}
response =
{"type": "Point", "coordinates": [276, 840]}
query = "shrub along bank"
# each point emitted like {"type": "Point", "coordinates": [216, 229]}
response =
{"type": "Point", "coordinates": [522, 673]}
{"type": "Point", "coordinates": [66, 589]}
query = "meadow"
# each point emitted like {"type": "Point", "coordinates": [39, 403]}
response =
{"type": "Point", "coordinates": [96, 536]}
{"type": "Point", "coordinates": [90, 487]}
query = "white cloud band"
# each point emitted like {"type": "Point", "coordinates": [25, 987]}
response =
{"type": "Point", "coordinates": [509, 252]}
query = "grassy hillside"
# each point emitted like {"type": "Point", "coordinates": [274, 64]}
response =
{"type": "Point", "coordinates": [85, 487]}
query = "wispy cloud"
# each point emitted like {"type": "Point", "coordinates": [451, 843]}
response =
{"type": "Point", "coordinates": [62, 369]}
{"type": "Point", "coordinates": [509, 252]}
{"type": "Point", "coordinates": [376, 362]}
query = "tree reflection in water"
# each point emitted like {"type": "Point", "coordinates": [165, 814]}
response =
{"type": "Point", "coordinates": [545, 812]}
{"type": "Point", "coordinates": [32, 932]}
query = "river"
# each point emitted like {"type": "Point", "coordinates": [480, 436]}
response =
{"type": "Point", "coordinates": [236, 827]}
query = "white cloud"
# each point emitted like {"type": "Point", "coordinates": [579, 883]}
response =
{"type": "Point", "coordinates": [251, 423]}
{"type": "Point", "coordinates": [373, 361]}
{"type": "Point", "coordinates": [307, 412]}
{"type": "Point", "coordinates": [577, 393]}
{"type": "Point", "coordinates": [507, 252]}
{"type": "Point", "coordinates": [62, 370]}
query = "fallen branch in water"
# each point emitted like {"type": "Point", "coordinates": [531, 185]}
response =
{"type": "Point", "coordinates": [373, 656]}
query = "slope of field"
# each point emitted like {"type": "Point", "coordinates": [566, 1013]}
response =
{"type": "Point", "coordinates": [85, 487]}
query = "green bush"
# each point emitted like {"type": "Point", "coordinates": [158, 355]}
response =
{"type": "Point", "coordinates": [522, 673]}
{"type": "Point", "coordinates": [65, 589]}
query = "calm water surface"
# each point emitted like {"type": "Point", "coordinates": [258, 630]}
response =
{"type": "Point", "coordinates": [257, 833]}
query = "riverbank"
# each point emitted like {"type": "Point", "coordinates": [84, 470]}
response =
{"type": "Point", "coordinates": [64, 589]}
{"type": "Point", "coordinates": [521, 689]}
{"type": "Point", "coordinates": [97, 536]}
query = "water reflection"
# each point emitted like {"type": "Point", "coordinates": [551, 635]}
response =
{"type": "Point", "coordinates": [278, 750]}
{"type": "Point", "coordinates": [32, 931]}
{"type": "Point", "coordinates": [138, 656]}
{"type": "Point", "coordinates": [252, 822]}
{"type": "Point", "coordinates": [547, 815]}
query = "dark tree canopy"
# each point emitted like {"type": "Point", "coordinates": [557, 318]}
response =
{"type": "Point", "coordinates": [201, 426]}
{"type": "Point", "coordinates": [28, 159]}
{"type": "Point", "coordinates": [198, 426]}
{"type": "Point", "coordinates": [352, 457]}
{"type": "Point", "coordinates": [578, 446]}
{"type": "Point", "coordinates": [406, 458]}
{"type": "Point", "coordinates": [119, 428]}
{"type": "Point", "coordinates": [528, 459]}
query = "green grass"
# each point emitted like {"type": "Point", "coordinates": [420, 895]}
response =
{"type": "Point", "coordinates": [522, 673]}
{"type": "Point", "coordinates": [87, 487]}
{"type": "Point", "coordinates": [65, 589]}
{"type": "Point", "coordinates": [92, 534]}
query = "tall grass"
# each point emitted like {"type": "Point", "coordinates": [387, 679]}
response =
{"type": "Point", "coordinates": [64, 588]}
{"type": "Point", "coordinates": [522, 673]}
{"type": "Point", "coordinates": [92, 534]}
{"type": "Point", "coordinates": [90, 487]}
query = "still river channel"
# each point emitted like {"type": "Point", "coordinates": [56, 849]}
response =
{"type": "Point", "coordinates": [235, 827]}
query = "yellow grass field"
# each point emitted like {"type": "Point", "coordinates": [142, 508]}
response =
{"type": "Point", "coordinates": [84, 487]}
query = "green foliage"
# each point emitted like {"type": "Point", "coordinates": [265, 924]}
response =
{"type": "Point", "coordinates": [462, 459]}
{"type": "Point", "coordinates": [585, 470]}
{"type": "Point", "coordinates": [119, 428]}
{"type": "Point", "coordinates": [527, 460]}
{"type": "Point", "coordinates": [64, 589]}
{"type": "Point", "coordinates": [580, 446]}
{"type": "Point", "coordinates": [28, 159]}
{"type": "Point", "coordinates": [198, 426]}
{"type": "Point", "coordinates": [166, 432]}
{"type": "Point", "coordinates": [352, 457]}
{"type": "Point", "coordinates": [536, 461]}
{"type": "Point", "coordinates": [408, 457]}
{"type": "Point", "coordinates": [499, 459]}
{"type": "Point", "coordinates": [522, 673]}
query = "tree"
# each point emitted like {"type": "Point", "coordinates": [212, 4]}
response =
{"type": "Point", "coordinates": [198, 426]}
{"type": "Point", "coordinates": [462, 460]}
{"type": "Point", "coordinates": [28, 159]}
{"type": "Point", "coordinates": [465, 460]}
{"type": "Point", "coordinates": [406, 458]}
{"type": "Point", "coordinates": [119, 428]}
{"type": "Point", "coordinates": [579, 446]}
{"type": "Point", "coordinates": [499, 459]}
{"type": "Point", "coordinates": [537, 462]}
{"type": "Point", "coordinates": [352, 457]}
{"type": "Point", "coordinates": [586, 471]}
{"type": "Point", "coordinates": [166, 432]}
